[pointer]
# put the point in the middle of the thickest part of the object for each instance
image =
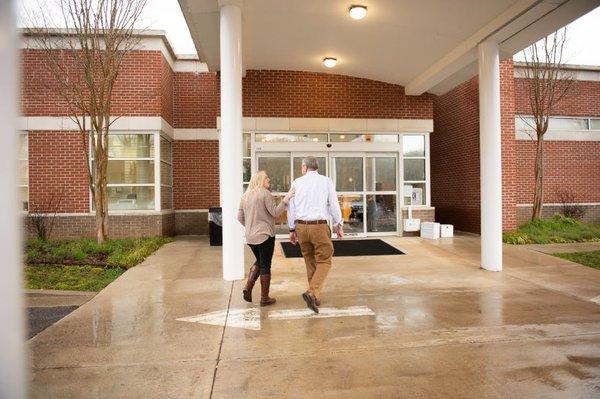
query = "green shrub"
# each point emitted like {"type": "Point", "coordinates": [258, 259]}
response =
{"type": "Point", "coordinates": [516, 238]}
{"type": "Point", "coordinates": [558, 229]}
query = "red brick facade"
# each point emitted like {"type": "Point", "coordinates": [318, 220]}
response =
{"type": "Point", "coordinates": [148, 86]}
{"type": "Point", "coordinates": [195, 174]}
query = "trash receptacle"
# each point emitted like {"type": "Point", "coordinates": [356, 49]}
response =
{"type": "Point", "coordinates": [215, 223]}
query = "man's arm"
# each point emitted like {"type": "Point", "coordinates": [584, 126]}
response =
{"type": "Point", "coordinates": [291, 212]}
{"type": "Point", "coordinates": [334, 205]}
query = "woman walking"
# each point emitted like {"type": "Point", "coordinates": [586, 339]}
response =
{"type": "Point", "coordinates": [257, 214]}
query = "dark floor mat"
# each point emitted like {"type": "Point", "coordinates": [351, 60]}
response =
{"type": "Point", "coordinates": [369, 247]}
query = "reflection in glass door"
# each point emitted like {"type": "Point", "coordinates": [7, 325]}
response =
{"type": "Point", "coordinates": [348, 176]}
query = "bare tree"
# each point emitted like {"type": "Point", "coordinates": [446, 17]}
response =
{"type": "Point", "coordinates": [85, 60]}
{"type": "Point", "coordinates": [547, 82]}
{"type": "Point", "coordinates": [41, 221]}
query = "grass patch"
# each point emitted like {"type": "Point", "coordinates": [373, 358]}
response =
{"type": "Point", "coordinates": [77, 278]}
{"type": "Point", "coordinates": [591, 258]}
{"type": "Point", "coordinates": [122, 253]}
{"type": "Point", "coordinates": [558, 229]}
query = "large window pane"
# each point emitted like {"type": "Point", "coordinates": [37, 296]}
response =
{"type": "Point", "coordinates": [165, 150]}
{"type": "Point", "coordinates": [414, 169]}
{"type": "Point", "coordinates": [24, 197]}
{"type": "Point", "coordinates": [364, 138]}
{"type": "Point", "coordinates": [130, 172]}
{"type": "Point", "coordinates": [568, 124]}
{"type": "Point", "coordinates": [130, 198]}
{"type": "Point", "coordinates": [130, 146]}
{"type": "Point", "coordinates": [165, 174]}
{"type": "Point", "coordinates": [23, 146]}
{"type": "Point", "coordinates": [413, 145]}
{"type": "Point", "coordinates": [381, 173]}
{"type": "Point", "coordinates": [23, 173]}
{"type": "Point", "coordinates": [322, 161]}
{"type": "Point", "coordinates": [289, 137]}
{"type": "Point", "coordinates": [247, 171]}
{"type": "Point", "coordinates": [349, 173]}
{"type": "Point", "coordinates": [278, 169]}
{"type": "Point", "coordinates": [414, 194]}
{"type": "Point", "coordinates": [246, 145]}
{"type": "Point", "coordinates": [381, 213]}
{"type": "Point", "coordinates": [281, 224]}
{"type": "Point", "coordinates": [166, 194]}
{"type": "Point", "coordinates": [524, 123]}
{"type": "Point", "coordinates": [595, 124]}
{"type": "Point", "coordinates": [352, 213]}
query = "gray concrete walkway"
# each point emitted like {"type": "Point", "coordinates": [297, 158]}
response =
{"type": "Point", "coordinates": [440, 327]}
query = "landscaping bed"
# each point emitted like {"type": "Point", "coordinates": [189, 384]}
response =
{"type": "Point", "coordinates": [556, 230]}
{"type": "Point", "coordinates": [590, 258]}
{"type": "Point", "coordinates": [82, 264]}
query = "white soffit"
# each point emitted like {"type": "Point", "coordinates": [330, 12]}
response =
{"type": "Point", "coordinates": [427, 45]}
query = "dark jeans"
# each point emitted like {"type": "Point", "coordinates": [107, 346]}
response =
{"type": "Point", "coordinates": [264, 254]}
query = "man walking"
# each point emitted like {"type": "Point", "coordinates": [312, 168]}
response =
{"type": "Point", "coordinates": [315, 202]}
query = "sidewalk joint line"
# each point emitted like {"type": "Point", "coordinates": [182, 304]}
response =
{"type": "Point", "coordinates": [212, 387]}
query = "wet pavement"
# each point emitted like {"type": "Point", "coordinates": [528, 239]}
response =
{"type": "Point", "coordinates": [437, 326]}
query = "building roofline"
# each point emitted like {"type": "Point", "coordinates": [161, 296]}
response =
{"type": "Point", "coordinates": [578, 67]}
{"type": "Point", "coordinates": [141, 33]}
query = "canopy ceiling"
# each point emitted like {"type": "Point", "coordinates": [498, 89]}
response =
{"type": "Point", "coordinates": [425, 45]}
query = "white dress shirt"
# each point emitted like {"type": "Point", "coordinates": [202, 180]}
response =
{"type": "Point", "coordinates": [315, 199]}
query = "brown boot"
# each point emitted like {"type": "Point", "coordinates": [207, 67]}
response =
{"type": "Point", "coordinates": [252, 277]}
{"type": "Point", "coordinates": [265, 283]}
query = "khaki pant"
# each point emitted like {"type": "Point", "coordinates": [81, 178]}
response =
{"type": "Point", "coordinates": [317, 250]}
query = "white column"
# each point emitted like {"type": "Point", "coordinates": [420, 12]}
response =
{"type": "Point", "coordinates": [230, 144]}
{"type": "Point", "coordinates": [490, 153]}
{"type": "Point", "coordinates": [12, 370]}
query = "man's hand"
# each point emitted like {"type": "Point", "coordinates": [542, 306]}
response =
{"type": "Point", "coordinates": [339, 230]}
{"type": "Point", "coordinates": [293, 237]}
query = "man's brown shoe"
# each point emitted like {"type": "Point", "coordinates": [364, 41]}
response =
{"type": "Point", "coordinates": [311, 301]}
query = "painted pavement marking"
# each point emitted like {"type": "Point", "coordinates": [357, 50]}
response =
{"type": "Point", "coordinates": [249, 319]}
{"type": "Point", "coordinates": [292, 314]}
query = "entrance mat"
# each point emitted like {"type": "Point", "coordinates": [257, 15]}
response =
{"type": "Point", "coordinates": [369, 247]}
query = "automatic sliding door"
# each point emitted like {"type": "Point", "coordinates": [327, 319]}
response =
{"type": "Point", "coordinates": [278, 168]}
{"type": "Point", "coordinates": [381, 192]}
{"type": "Point", "coordinates": [348, 176]}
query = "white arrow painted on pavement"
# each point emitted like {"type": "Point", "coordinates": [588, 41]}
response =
{"type": "Point", "coordinates": [292, 314]}
{"type": "Point", "coordinates": [239, 318]}
{"type": "Point", "coordinates": [250, 318]}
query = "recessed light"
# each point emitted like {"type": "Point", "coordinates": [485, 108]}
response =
{"type": "Point", "coordinates": [357, 11]}
{"type": "Point", "coordinates": [329, 62]}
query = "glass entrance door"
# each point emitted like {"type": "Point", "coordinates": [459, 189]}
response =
{"type": "Point", "coordinates": [366, 183]}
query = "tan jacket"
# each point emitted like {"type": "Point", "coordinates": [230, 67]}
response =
{"type": "Point", "coordinates": [257, 214]}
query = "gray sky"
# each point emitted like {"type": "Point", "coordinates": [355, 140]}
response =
{"type": "Point", "coordinates": [583, 46]}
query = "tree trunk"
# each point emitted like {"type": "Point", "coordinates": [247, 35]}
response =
{"type": "Point", "coordinates": [538, 194]}
{"type": "Point", "coordinates": [100, 198]}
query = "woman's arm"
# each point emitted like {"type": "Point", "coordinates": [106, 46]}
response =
{"type": "Point", "coordinates": [274, 209]}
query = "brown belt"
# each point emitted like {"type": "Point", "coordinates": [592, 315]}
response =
{"type": "Point", "coordinates": [311, 221]}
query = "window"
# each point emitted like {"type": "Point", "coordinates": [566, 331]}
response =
{"type": "Point", "coordinates": [364, 138]}
{"type": "Point", "coordinates": [290, 137]}
{"type": "Point", "coordinates": [556, 123]}
{"type": "Point", "coordinates": [24, 170]}
{"type": "Point", "coordinates": [166, 174]}
{"type": "Point", "coordinates": [134, 167]}
{"type": "Point", "coordinates": [414, 154]}
{"type": "Point", "coordinates": [246, 160]}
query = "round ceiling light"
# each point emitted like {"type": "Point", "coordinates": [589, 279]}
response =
{"type": "Point", "coordinates": [329, 62]}
{"type": "Point", "coordinates": [357, 12]}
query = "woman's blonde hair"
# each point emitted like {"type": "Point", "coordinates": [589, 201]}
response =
{"type": "Point", "coordinates": [256, 182]}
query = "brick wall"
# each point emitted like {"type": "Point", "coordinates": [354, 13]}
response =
{"type": "Point", "coordinates": [138, 90]}
{"type": "Point", "coordinates": [582, 100]}
{"type": "Point", "coordinates": [455, 172]}
{"type": "Point", "coordinates": [195, 174]}
{"type": "Point", "coordinates": [57, 170]}
{"type": "Point", "coordinates": [455, 157]}
{"type": "Point", "coordinates": [167, 81]}
{"type": "Point", "coordinates": [568, 165]}
{"type": "Point", "coordinates": [196, 100]}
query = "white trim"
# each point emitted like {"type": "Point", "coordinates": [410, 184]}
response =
{"type": "Point", "coordinates": [124, 123]}
{"type": "Point", "coordinates": [195, 134]}
{"type": "Point", "coordinates": [590, 73]}
{"type": "Point", "coordinates": [574, 203]}
{"type": "Point", "coordinates": [261, 124]}
{"type": "Point", "coordinates": [561, 135]}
